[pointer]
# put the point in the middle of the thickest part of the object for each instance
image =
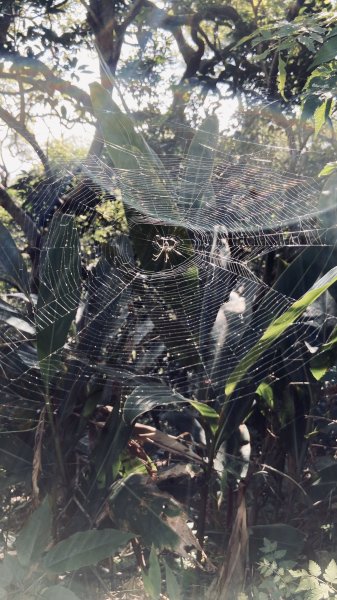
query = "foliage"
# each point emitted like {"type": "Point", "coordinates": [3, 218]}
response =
{"type": "Point", "coordinates": [136, 506]}
{"type": "Point", "coordinates": [91, 448]}
{"type": "Point", "coordinates": [29, 573]}
{"type": "Point", "coordinates": [279, 579]}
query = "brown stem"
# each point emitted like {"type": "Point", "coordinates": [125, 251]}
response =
{"type": "Point", "coordinates": [204, 502]}
{"type": "Point", "coordinates": [138, 554]}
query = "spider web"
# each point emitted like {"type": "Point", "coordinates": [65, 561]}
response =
{"type": "Point", "coordinates": [182, 315]}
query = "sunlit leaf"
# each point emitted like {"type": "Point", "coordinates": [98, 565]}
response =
{"type": "Point", "coordinates": [330, 573]}
{"type": "Point", "coordinates": [314, 569]}
{"type": "Point", "coordinates": [328, 169]}
{"type": "Point", "coordinates": [282, 76]}
{"type": "Point", "coordinates": [207, 412]}
{"type": "Point", "coordinates": [265, 392]}
{"type": "Point", "coordinates": [321, 114]}
{"type": "Point", "coordinates": [277, 327]}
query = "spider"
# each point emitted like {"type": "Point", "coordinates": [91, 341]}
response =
{"type": "Point", "coordinates": [166, 245]}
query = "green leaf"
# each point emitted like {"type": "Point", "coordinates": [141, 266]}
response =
{"type": "Point", "coordinates": [59, 292]}
{"type": "Point", "coordinates": [328, 169]}
{"type": "Point", "coordinates": [309, 106]}
{"type": "Point", "coordinates": [84, 549]}
{"type": "Point", "coordinates": [265, 392]}
{"type": "Point", "coordinates": [330, 573]}
{"type": "Point", "coordinates": [308, 42]}
{"type": "Point", "coordinates": [327, 52]}
{"type": "Point", "coordinates": [59, 592]}
{"type": "Point", "coordinates": [12, 266]}
{"type": "Point", "coordinates": [282, 76]}
{"type": "Point", "coordinates": [15, 455]}
{"type": "Point", "coordinates": [246, 38]}
{"type": "Point", "coordinates": [325, 359]}
{"type": "Point", "coordinates": [277, 327]}
{"type": "Point", "coordinates": [144, 398]}
{"type": "Point", "coordinates": [268, 546]}
{"type": "Point", "coordinates": [132, 156]}
{"type": "Point", "coordinates": [13, 318]}
{"type": "Point", "coordinates": [263, 55]}
{"type": "Point", "coordinates": [199, 165]}
{"type": "Point", "coordinates": [319, 368]}
{"type": "Point", "coordinates": [324, 590]}
{"type": "Point", "coordinates": [321, 115]}
{"type": "Point", "coordinates": [307, 584]}
{"type": "Point", "coordinates": [328, 206]}
{"type": "Point", "coordinates": [127, 148]}
{"type": "Point", "coordinates": [207, 412]}
{"type": "Point", "coordinates": [138, 505]}
{"type": "Point", "coordinates": [109, 448]}
{"type": "Point", "coordinates": [118, 129]}
{"type": "Point", "coordinates": [287, 537]}
{"type": "Point", "coordinates": [14, 569]}
{"type": "Point", "coordinates": [314, 569]}
{"type": "Point", "coordinates": [293, 282]}
{"type": "Point", "coordinates": [35, 535]}
{"type": "Point", "coordinates": [172, 585]}
{"type": "Point", "coordinates": [152, 579]}
{"type": "Point", "coordinates": [6, 573]}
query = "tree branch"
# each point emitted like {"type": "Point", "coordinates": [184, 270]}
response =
{"type": "Point", "coordinates": [185, 49]}
{"type": "Point", "coordinates": [211, 13]}
{"type": "Point", "coordinates": [49, 82]}
{"type": "Point", "coordinates": [27, 135]}
{"type": "Point", "coordinates": [135, 9]}
{"type": "Point", "coordinates": [20, 217]}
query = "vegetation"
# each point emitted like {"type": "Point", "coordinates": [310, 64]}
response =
{"type": "Point", "coordinates": [168, 301]}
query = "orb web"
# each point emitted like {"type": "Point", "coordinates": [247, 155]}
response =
{"type": "Point", "coordinates": [172, 295]}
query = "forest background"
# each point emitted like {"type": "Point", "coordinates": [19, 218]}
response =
{"type": "Point", "coordinates": [168, 280]}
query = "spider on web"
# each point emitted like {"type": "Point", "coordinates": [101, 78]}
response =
{"type": "Point", "coordinates": [166, 246]}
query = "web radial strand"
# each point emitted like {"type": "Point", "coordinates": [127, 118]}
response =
{"type": "Point", "coordinates": [250, 200]}
{"type": "Point", "coordinates": [190, 315]}
{"type": "Point", "coordinates": [157, 327]}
